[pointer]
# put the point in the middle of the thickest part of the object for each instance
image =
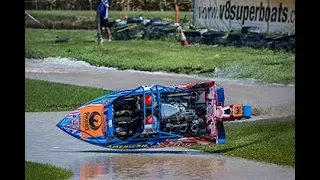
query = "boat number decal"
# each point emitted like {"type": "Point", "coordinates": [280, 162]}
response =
{"type": "Point", "coordinates": [237, 110]}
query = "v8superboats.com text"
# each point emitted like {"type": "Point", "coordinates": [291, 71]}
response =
{"type": "Point", "coordinates": [261, 13]}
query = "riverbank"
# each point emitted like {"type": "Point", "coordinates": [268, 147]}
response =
{"type": "Point", "coordinates": [164, 55]}
{"type": "Point", "coordinates": [39, 171]}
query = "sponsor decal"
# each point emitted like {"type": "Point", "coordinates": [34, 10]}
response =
{"type": "Point", "coordinates": [95, 120]}
{"type": "Point", "coordinates": [92, 121]}
{"type": "Point", "coordinates": [127, 146]}
{"type": "Point", "coordinates": [75, 125]}
{"type": "Point", "coordinates": [110, 123]}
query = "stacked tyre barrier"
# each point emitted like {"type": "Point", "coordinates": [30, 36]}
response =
{"type": "Point", "coordinates": [249, 36]}
{"type": "Point", "coordinates": [285, 42]}
{"type": "Point", "coordinates": [140, 28]}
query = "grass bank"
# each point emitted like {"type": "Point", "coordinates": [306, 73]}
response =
{"type": "Point", "coordinates": [271, 140]}
{"type": "Point", "coordinates": [43, 96]}
{"type": "Point", "coordinates": [55, 19]}
{"type": "Point", "coordinates": [164, 55]}
{"type": "Point", "coordinates": [39, 171]}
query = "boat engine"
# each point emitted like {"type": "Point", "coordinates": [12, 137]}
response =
{"type": "Point", "coordinates": [178, 119]}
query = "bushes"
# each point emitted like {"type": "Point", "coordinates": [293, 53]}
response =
{"type": "Point", "coordinates": [128, 5]}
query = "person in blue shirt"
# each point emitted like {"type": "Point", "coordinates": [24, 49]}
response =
{"type": "Point", "coordinates": [104, 16]}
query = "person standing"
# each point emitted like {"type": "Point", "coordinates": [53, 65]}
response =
{"type": "Point", "coordinates": [104, 17]}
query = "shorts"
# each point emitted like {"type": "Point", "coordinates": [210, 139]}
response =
{"type": "Point", "coordinates": [105, 23]}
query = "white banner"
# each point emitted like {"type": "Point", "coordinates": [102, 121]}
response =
{"type": "Point", "coordinates": [224, 15]}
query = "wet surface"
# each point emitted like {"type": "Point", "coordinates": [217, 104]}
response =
{"type": "Point", "coordinates": [46, 143]}
{"type": "Point", "coordinates": [267, 100]}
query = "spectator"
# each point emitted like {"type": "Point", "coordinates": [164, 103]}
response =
{"type": "Point", "coordinates": [104, 17]}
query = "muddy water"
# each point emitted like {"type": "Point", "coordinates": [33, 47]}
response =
{"type": "Point", "coordinates": [176, 166]}
{"type": "Point", "coordinates": [267, 100]}
{"type": "Point", "coordinates": [45, 143]}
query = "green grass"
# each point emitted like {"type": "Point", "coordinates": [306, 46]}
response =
{"type": "Point", "coordinates": [164, 55]}
{"type": "Point", "coordinates": [43, 96]}
{"type": "Point", "coordinates": [35, 171]}
{"type": "Point", "coordinates": [86, 19]}
{"type": "Point", "coordinates": [271, 140]}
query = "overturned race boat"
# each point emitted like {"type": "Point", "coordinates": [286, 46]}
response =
{"type": "Point", "coordinates": [155, 116]}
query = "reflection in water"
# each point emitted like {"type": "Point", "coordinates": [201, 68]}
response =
{"type": "Point", "coordinates": [92, 170]}
{"type": "Point", "coordinates": [151, 166]}
{"type": "Point", "coordinates": [45, 144]}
